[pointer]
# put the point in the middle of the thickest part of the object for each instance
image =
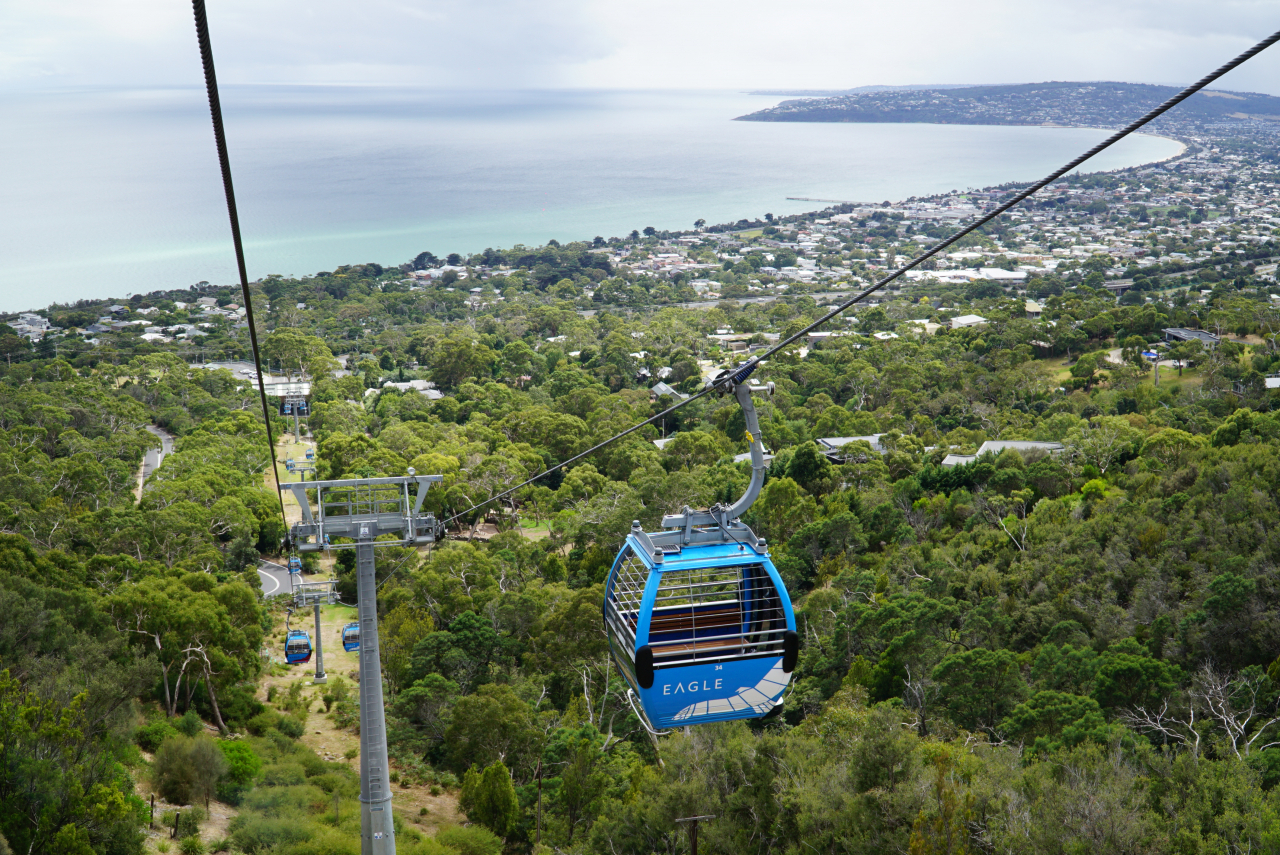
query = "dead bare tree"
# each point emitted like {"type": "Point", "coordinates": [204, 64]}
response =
{"type": "Point", "coordinates": [1239, 705]}
{"type": "Point", "coordinates": [919, 692]}
{"type": "Point", "coordinates": [1160, 721]}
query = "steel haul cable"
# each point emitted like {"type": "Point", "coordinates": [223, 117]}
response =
{"type": "Point", "coordinates": [913, 263]}
{"type": "Point", "coordinates": [220, 138]}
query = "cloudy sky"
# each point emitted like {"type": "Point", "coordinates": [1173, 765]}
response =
{"type": "Point", "coordinates": [711, 44]}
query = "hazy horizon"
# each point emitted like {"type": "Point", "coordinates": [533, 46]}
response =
{"type": "Point", "coordinates": [744, 45]}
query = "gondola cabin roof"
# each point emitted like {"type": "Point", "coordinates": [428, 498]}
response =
{"type": "Point", "coordinates": [697, 555]}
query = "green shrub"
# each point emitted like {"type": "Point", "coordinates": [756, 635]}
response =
{"type": "Point", "coordinates": [489, 798]}
{"type": "Point", "coordinates": [293, 702]}
{"type": "Point", "coordinates": [187, 769]}
{"type": "Point", "coordinates": [162, 846]}
{"type": "Point", "coordinates": [189, 819]}
{"type": "Point", "coordinates": [283, 744]}
{"type": "Point", "coordinates": [297, 800]}
{"type": "Point", "coordinates": [242, 763]}
{"type": "Point", "coordinates": [262, 722]}
{"type": "Point", "coordinates": [219, 844]}
{"type": "Point", "coordinates": [283, 775]}
{"type": "Point", "coordinates": [327, 841]}
{"type": "Point", "coordinates": [346, 714]}
{"type": "Point", "coordinates": [190, 724]}
{"type": "Point", "coordinates": [238, 704]}
{"type": "Point", "coordinates": [231, 793]}
{"type": "Point", "coordinates": [152, 734]}
{"type": "Point", "coordinates": [291, 727]}
{"type": "Point", "coordinates": [191, 845]}
{"type": "Point", "coordinates": [470, 840]}
{"type": "Point", "coordinates": [336, 692]}
{"type": "Point", "coordinates": [255, 834]}
{"type": "Point", "coordinates": [424, 846]}
{"type": "Point", "coordinates": [336, 782]}
{"type": "Point", "coordinates": [312, 764]}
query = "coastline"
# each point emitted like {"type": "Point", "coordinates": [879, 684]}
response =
{"type": "Point", "coordinates": [372, 185]}
{"type": "Point", "coordinates": [1186, 146]}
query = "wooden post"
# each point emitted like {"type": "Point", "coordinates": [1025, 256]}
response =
{"type": "Point", "coordinates": [693, 830]}
{"type": "Point", "coordinates": [151, 823]}
{"type": "Point", "coordinates": [177, 815]}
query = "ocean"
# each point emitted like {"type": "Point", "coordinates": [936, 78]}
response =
{"type": "Point", "coordinates": [113, 192]}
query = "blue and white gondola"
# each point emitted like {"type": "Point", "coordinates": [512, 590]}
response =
{"type": "Point", "coordinates": [297, 647]}
{"type": "Point", "coordinates": [351, 637]}
{"type": "Point", "coordinates": [698, 620]}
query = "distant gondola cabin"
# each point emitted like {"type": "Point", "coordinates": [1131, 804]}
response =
{"type": "Point", "coordinates": [297, 647]}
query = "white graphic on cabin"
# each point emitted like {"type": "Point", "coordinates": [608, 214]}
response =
{"type": "Point", "coordinates": [759, 697]}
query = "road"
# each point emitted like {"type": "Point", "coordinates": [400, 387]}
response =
{"type": "Point", "coordinates": [275, 578]}
{"type": "Point", "coordinates": [153, 457]}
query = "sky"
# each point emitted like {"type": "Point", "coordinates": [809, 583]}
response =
{"type": "Point", "coordinates": [657, 44]}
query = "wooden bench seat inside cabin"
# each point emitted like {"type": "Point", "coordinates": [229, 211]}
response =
{"type": "Point", "coordinates": [679, 620]}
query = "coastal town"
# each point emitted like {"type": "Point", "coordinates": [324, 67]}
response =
{"type": "Point", "coordinates": [1133, 233]}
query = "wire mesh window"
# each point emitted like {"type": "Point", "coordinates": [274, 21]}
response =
{"type": "Point", "coordinates": [716, 613]}
{"type": "Point", "coordinates": [700, 614]}
{"type": "Point", "coordinates": [625, 595]}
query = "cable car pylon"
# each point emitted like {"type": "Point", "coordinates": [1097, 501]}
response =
{"type": "Point", "coordinates": [314, 595]}
{"type": "Point", "coordinates": [353, 514]}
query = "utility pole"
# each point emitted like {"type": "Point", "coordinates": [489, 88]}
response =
{"type": "Point", "coordinates": [693, 830]}
{"type": "Point", "coordinates": [360, 510]}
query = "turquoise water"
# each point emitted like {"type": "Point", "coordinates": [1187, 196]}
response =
{"type": "Point", "coordinates": [112, 192]}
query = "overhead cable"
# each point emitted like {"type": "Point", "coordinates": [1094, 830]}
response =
{"type": "Point", "coordinates": [224, 160]}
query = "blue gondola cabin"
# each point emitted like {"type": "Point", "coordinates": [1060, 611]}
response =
{"type": "Point", "coordinates": [702, 633]}
{"type": "Point", "coordinates": [351, 637]}
{"type": "Point", "coordinates": [297, 647]}
{"type": "Point", "coordinates": [295, 564]}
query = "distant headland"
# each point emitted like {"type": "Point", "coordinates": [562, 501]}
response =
{"type": "Point", "coordinates": [1097, 104]}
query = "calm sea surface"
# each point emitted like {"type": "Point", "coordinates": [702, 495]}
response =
{"type": "Point", "coordinates": [112, 192]}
